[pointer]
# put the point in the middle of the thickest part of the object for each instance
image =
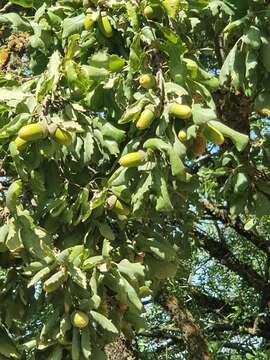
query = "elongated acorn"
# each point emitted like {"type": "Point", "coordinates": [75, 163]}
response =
{"type": "Point", "coordinates": [105, 26]}
{"type": "Point", "coordinates": [145, 120]}
{"type": "Point", "coordinates": [62, 137]}
{"type": "Point", "coordinates": [33, 132]}
{"type": "Point", "coordinates": [180, 111]}
{"type": "Point", "coordinates": [132, 159]}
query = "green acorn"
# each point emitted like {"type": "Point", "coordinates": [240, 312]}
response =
{"type": "Point", "coordinates": [33, 132]}
{"type": "Point", "coordinates": [132, 159]}
{"type": "Point", "coordinates": [146, 118]}
{"type": "Point", "coordinates": [180, 111]}
{"type": "Point", "coordinates": [147, 81]}
{"type": "Point", "coordinates": [79, 319]}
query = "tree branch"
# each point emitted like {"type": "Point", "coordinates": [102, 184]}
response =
{"type": "Point", "coordinates": [218, 214]}
{"type": "Point", "coordinates": [221, 252]}
{"type": "Point", "coordinates": [210, 303]}
{"type": "Point", "coordinates": [193, 338]}
{"type": "Point", "coordinates": [5, 7]}
{"type": "Point", "coordinates": [238, 347]}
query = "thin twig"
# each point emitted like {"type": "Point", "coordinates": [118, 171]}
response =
{"type": "Point", "coordinates": [6, 7]}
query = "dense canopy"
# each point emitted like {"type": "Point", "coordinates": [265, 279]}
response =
{"type": "Point", "coordinates": [134, 141]}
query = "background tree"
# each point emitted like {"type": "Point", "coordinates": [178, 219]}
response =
{"type": "Point", "coordinates": [124, 159]}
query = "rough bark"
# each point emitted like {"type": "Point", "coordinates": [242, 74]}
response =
{"type": "Point", "coordinates": [193, 337]}
{"type": "Point", "coordinates": [120, 349]}
{"type": "Point", "coordinates": [234, 110]}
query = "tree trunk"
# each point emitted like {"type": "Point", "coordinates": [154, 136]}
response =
{"type": "Point", "coordinates": [120, 349]}
{"type": "Point", "coordinates": [192, 335]}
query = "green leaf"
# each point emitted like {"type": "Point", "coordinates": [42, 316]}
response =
{"type": "Point", "coordinates": [13, 240]}
{"type": "Point", "coordinates": [132, 270]}
{"type": "Point", "coordinates": [131, 293]}
{"type": "Point", "coordinates": [86, 343]}
{"type": "Point", "coordinates": [94, 282]}
{"type": "Point", "coordinates": [172, 7]}
{"type": "Point", "coordinates": [172, 88]}
{"type": "Point", "coordinates": [104, 322]}
{"type": "Point", "coordinates": [78, 276]}
{"type": "Point", "coordinates": [92, 262]}
{"type": "Point", "coordinates": [51, 321]}
{"type": "Point", "coordinates": [97, 201]}
{"type": "Point", "coordinates": [98, 354]}
{"type": "Point", "coordinates": [23, 3]}
{"type": "Point", "coordinates": [156, 144]}
{"type": "Point", "coordinates": [40, 275]}
{"type": "Point", "coordinates": [143, 188]}
{"type": "Point", "coordinates": [16, 20]}
{"type": "Point", "coordinates": [241, 183]}
{"type": "Point", "coordinates": [70, 72]}
{"type": "Point", "coordinates": [239, 140]}
{"type": "Point", "coordinates": [238, 203]}
{"type": "Point", "coordinates": [133, 111]}
{"type": "Point", "coordinates": [251, 71]}
{"type": "Point", "coordinates": [76, 346]}
{"type": "Point", "coordinates": [265, 52]}
{"type": "Point", "coordinates": [7, 347]}
{"type": "Point", "coordinates": [161, 250]}
{"type": "Point", "coordinates": [56, 354]}
{"type": "Point", "coordinates": [136, 54]}
{"type": "Point", "coordinates": [48, 81]}
{"type": "Point", "coordinates": [31, 235]}
{"type": "Point", "coordinates": [88, 147]}
{"type": "Point", "coordinates": [73, 25]}
{"type": "Point", "coordinates": [227, 65]}
{"type": "Point", "coordinates": [163, 202]}
{"type": "Point", "coordinates": [202, 115]}
{"type": "Point", "coordinates": [14, 125]}
{"type": "Point", "coordinates": [177, 166]}
{"type": "Point", "coordinates": [55, 281]}
{"type": "Point", "coordinates": [105, 230]}
{"type": "Point", "coordinates": [4, 230]}
{"type": "Point", "coordinates": [65, 325]}
{"type": "Point", "coordinates": [116, 63]}
{"type": "Point", "coordinates": [253, 37]}
{"type": "Point", "coordinates": [15, 190]}
{"type": "Point", "coordinates": [95, 73]}
{"type": "Point", "coordinates": [250, 224]}
{"type": "Point", "coordinates": [260, 204]}
{"type": "Point", "coordinates": [106, 249]}
{"type": "Point", "coordinates": [76, 253]}
{"type": "Point", "coordinates": [132, 10]}
{"type": "Point", "coordinates": [160, 269]}
{"type": "Point", "coordinates": [177, 66]}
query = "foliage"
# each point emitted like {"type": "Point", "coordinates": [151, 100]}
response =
{"type": "Point", "coordinates": [96, 209]}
